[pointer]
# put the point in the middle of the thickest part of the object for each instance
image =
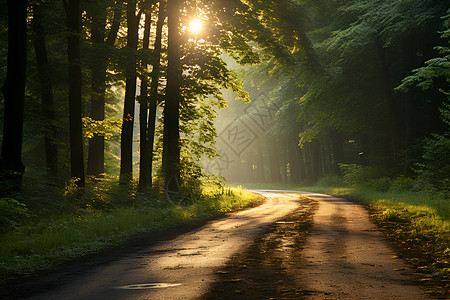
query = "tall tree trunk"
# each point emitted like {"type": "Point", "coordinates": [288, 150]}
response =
{"type": "Point", "coordinates": [394, 111]}
{"type": "Point", "coordinates": [73, 51]}
{"type": "Point", "coordinates": [274, 164]}
{"type": "Point", "coordinates": [337, 147]}
{"type": "Point", "coordinates": [153, 101]}
{"type": "Point", "coordinates": [284, 173]}
{"type": "Point", "coordinates": [144, 175]}
{"type": "Point", "coordinates": [302, 168]}
{"type": "Point", "coordinates": [48, 110]}
{"type": "Point", "coordinates": [171, 146]}
{"type": "Point", "coordinates": [11, 166]}
{"type": "Point", "coordinates": [96, 151]}
{"type": "Point", "coordinates": [293, 162]}
{"type": "Point", "coordinates": [260, 175]}
{"type": "Point", "coordinates": [112, 34]}
{"type": "Point", "coordinates": [315, 160]}
{"type": "Point", "coordinates": [301, 164]}
{"type": "Point", "coordinates": [126, 146]}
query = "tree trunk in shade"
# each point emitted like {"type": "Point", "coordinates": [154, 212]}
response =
{"type": "Point", "coordinates": [301, 164]}
{"type": "Point", "coordinates": [126, 145]}
{"type": "Point", "coordinates": [48, 110]}
{"type": "Point", "coordinates": [274, 163]}
{"type": "Point", "coordinates": [96, 149]}
{"type": "Point", "coordinates": [293, 163]}
{"type": "Point", "coordinates": [315, 160]}
{"type": "Point", "coordinates": [153, 99]}
{"type": "Point", "coordinates": [337, 146]}
{"type": "Point", "coordinates": [171, 146]}
{"type": "Point", "coordinates": [11, 166]}
{"type": "Point", "coordinates": [144, 175]}
{"type": "Point", "coordinates": [75, 124]}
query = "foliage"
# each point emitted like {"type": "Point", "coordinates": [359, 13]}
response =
{"type": "Point", "coordinates": [356, 174]}
{"type": "Point", "coordinates": [434, 169]}
{"type": "Point", "coordinates": [49, 242]}
{"type": "Point", "coordinates": [107, 128]}
{"type": "Point", "coordinates": [333, 180]}
{"type": "Point", "coordinates": [380, 42]}
{"type": "Point", "coordinates": [12, 212]}
{"type": "Point", "coordinates": [402, 184]}
{"type": "Point", "coordinates": [434, 68]}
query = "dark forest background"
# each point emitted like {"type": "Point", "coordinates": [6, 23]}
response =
{"type": "Point", "coordinates": [109, 93]}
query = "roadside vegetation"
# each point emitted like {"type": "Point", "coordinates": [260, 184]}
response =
{"type": "Point", "coordinates": [39, 233]}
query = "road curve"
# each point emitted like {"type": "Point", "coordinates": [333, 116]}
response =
{"type": "Point", "coordinates": [344, 257]}
{"type": "Point", "coordinates": [181, 268]}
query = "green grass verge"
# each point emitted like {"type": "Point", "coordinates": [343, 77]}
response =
{"type": "Point", "coordinates": [42, 246]}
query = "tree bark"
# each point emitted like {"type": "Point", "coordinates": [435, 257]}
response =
{"type": "Point", "coordinates": [11, 166]}
{"type": "Point", "coordinates": [48, 110]}
{"type": "Point", "coordinates": [337, 146]}
{"type": "Point", "coordinates": [126, 146]}
{"type": "Point", "coordinates": [284, 169]}
{"type": "Point", "coordinates": [153, 101]}
{"type": "Point", "coordinates": [112, 35]}
{"type": "Point", "coordinates": [261, 175]}
{"type": "Point", "coordinates": [301, 164]}
{"type": "Point", "coordinates": [75, 124]}
{"type": "Point", "coordinates": [171, 147]}
{"type": "Point", "coordinates": [274, 163]}
{"type": "Point", "coordinates": [293, 162]}
{"type": "Point", "coordinates": [315, 160]}
{"type": "Point", "coordinates": [144, 175]}
{"type": "Point", "coordinates": [96, 151]}
{"type": "Point", "coordinates": [394, 111]}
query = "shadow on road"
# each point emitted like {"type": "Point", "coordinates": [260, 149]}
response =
{"type": "Point", "coordinates": [263, 270]}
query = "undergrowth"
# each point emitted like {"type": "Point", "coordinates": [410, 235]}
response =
{"type": "Point", "coordinates": [104, 215]}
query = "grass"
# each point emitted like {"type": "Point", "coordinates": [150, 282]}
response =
{"type": "Point", "coordinates": [43, 245]}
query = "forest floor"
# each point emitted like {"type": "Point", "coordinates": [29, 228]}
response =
{"type": "Point", "coordinates": [290, 247]}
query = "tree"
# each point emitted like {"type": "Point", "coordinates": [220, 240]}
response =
{"type": "Point", "coordinates": [154, 96]}
{"type": "Point", "coordinates": [11, 166]}
{"type": "Point", "coordinates": [73, 51]}
{"type": "Point", "coordinates": [434, 168]}
{"type": "Point", "coordinates": [48, 109]}
{"type": "Point", "coordinates": [145, 164]}
{"type": "Point", "coordinates": [98, 65]}
{"type": "Point", "coordinates": [171, 146]}
{"type": "Point", "coordinates": [126, 146]}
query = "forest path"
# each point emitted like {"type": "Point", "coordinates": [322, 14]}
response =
{"type": "Point", "coordinates": [287, 248]}
{"type": "Point", "coordinates": [342, 255]}
{"type": "Point", "coordinates": [347, 257]}
{"type": "Point", "coordinates": [181, 268]}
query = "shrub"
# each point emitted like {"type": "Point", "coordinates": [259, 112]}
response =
{"type": "Point", "coordinates": [382, 184]}
{"type": "Point", "coordinates": [333, 180]}
{"type": "Point", "coordinates": [356, 174]}
{"type": "Point", "coordinates": [435, 166]}
{"type": "Point", "coordinates": [401, 184]}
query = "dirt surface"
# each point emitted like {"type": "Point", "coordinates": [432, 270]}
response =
{"type": "Point", "coordinates": [181, 268]}
{"type": "Point", "coordinates": [343, 257]}
{"type": "Point", "coordinates": [290, 247]}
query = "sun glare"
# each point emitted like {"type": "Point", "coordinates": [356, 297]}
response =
{"type": "Point", "coordinates": [196, 26]}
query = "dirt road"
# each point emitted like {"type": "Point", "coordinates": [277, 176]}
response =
{"type": "Point", "coordinates": [263, 252]}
